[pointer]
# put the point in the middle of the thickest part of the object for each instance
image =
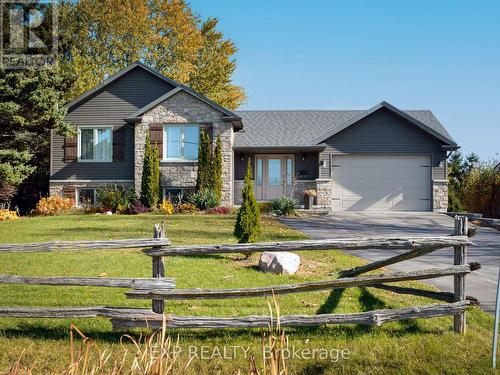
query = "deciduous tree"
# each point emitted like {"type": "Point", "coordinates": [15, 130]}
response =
{"type": "Point", "coordinates": [109, 35]}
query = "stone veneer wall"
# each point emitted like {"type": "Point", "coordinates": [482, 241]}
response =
{"type": "Point", "coordinates": [56, 188]}
{"type": "Point", "coordinates": [439, 195]}
{"type": "Point", "coordinates": [324, 190]}
{"type": "Point", "coordinates": [183, 108]}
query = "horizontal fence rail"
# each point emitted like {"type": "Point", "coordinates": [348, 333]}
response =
{"type": "Point", "coordinates": [387, 243]}
{"type": "Point", "coordinates": [164, 283]}
{"type": "Point", "coordinates": [376, 317]}
{"type": "Point", "coordinates": [132, 314]}
{"type": "Point", "coordinates": [124, 318]}
{"type": "Point", "coordinates": [83, 245]}
{"type": "Point", "coordinates": [268, 291]}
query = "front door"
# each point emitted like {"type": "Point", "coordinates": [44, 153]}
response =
{"type": "Point", "coordinates": [273, 176]}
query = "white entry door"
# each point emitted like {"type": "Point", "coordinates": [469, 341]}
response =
{"type": "Point", "coordinates": [381, 183]}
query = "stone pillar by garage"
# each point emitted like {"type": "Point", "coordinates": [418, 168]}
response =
{"type": "Point", "coordinates": [324, 191]}
{"type": "Point", "coordinates": [439, 195]}
{"type": "Point", "coordinates": [183, 108]}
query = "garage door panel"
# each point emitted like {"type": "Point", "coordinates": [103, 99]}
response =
{"type": "Point", "coordinates": [368, 182]}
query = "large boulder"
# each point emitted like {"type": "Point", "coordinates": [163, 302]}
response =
{"type": "Point", "coordinates": [279, 263]}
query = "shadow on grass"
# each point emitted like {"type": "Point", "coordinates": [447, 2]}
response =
{"type": "Point", "coordinates": [39, 332]}
{"type": "Point", "coordinates": [331, 303]}
{"type": "Point", "coordinates": [368, 302]}
{"type": "Point", "coordinates": [314, 369]}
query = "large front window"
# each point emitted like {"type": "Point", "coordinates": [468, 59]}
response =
{"type": "Point", "coordinates": [95, 144]}
{"type": "Point", "coordinates": [181, 142]}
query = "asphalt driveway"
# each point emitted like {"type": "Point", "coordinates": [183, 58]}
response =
{"type": "Point", "coordinates": [486, 249]}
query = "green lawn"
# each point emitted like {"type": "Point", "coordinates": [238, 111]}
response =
{"type": "Point", "coordinates": [423, 346]}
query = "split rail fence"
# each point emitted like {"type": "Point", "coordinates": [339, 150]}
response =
{"type": "Point", "coordinates": [160, 288]}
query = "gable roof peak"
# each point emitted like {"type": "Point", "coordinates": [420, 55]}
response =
{"type": "Point", "coordinates": [446, 139]}
{"type": "Point", "coordinates": [177, 86]}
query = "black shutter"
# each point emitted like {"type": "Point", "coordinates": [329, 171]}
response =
{"type": "Point", "coordinates": [156, 137]}
{"type": "Point", "coordinates": [70, 149]}
{"type": "Point", "coordinates": [119, 144]}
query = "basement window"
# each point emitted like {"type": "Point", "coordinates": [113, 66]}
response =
{"type": "Point", "coordinates": [86, 196]}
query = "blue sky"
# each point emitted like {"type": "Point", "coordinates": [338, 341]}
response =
{"type": "Point", "coordinates": [441, 55]}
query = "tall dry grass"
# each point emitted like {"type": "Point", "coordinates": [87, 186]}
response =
{"type": "Point", "coordinates": [159, 354]}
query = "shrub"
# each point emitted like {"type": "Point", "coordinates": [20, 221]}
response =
{"type": "Point", "coordinates": [6, 215]}
{"type": "Point", "coordinates": [454, 203]}
{"type": "Point", "coordinates": [204, 199]}
{"type": "Point", "coordinates": [216, 184]}
{"type": "Point", "coordinates": [247, 226]}
{"type": "Point", "coordinates": [310, 192]}
{"type": "Point", "coordinates": [150, 183]}
{"type": "Point", "coordinates": [167, 207]}
{"type": "Point", "coordinates": [284, 206]}
{"type": "Point", "coordinates": [54, 205]}
{"type": "Point", "coordinates": [122, 208]}
{"type": "Point", "coordinates": [265, 207]}
{"type": "Point", "coordinates": [481, 191]}
{"type": "Point", "coordinates": [219, 211]}
{"type": "Point", "coordinates": [137, 207]}
{"type": "Point", "coordinates": [112, 196]}
{"type": "Point", "coordinates": [185, 208]}
{"type": "Point", "coordinates": [89, 208]}
{"type": "Point", "coordinates": [203, 178]}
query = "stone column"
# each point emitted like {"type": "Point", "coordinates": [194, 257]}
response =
{"type": "Point", "coordinates": [226, 136]}
{"type": "Point", "coordinates": [324, 190]}
{"type": "Point", "coordinates": [440, 195]}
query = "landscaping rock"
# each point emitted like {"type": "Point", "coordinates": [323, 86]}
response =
{"type": "Point", "coordinates": [108, 213]}
{"type": "Point", "coordinates": [279, 263]}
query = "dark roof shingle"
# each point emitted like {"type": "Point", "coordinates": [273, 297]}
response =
{"type": "Point", "coordinates": [295, 128]}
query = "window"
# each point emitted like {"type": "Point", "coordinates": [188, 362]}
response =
{"type": "Point", "coordinates": [259, 172]}
{"type": "Point", "coordinates": [86, 196]}
{"type": "Point", "coordinates": [274, 172]}
{"type": "Point", "coordinates": [181, 142]}
{"type": "Point", "coordinates": [177, 195]}
{"type": "Point", "coordinates": [289, 171]}
{"type": "Point", "coordinates": [95, 144]}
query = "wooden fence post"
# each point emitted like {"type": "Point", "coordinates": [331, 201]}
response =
{"type": "Point", "coordinates": [461, 229]}
{"type": "Point", "coordinates": [158, 267]}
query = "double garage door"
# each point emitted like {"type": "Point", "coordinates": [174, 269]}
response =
{"type": "Point", "coordinates": [381, 183]}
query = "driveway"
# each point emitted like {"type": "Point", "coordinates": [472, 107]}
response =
{"type": "Point", "coordinates": [486, 249]}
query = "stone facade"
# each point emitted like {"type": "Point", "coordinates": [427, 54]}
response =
{"type": "Point", "coordinates": [324, 190]}
{"type": "Point", "coordinates": [183, 108]}
{"type": "Point", "coordinates": [178, 174]}
{"type": "Point", "coordinates": [56, 188]}
{"type": "Point", "coordinates": [439, 195]}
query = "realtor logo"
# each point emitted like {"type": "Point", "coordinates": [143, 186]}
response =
{"type": "Point", "coordinates": [28, 33]}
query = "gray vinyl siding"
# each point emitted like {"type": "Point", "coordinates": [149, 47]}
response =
{"type": "Point", "coordinates": [385, 133]}
{"type": "Point", "coordinates": [308, 166]}
{"type": "Point", "coordinates": [109, 106]}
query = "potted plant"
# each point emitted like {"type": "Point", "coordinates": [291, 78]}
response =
{"type": "Point", "coordinates": [309, 195]}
